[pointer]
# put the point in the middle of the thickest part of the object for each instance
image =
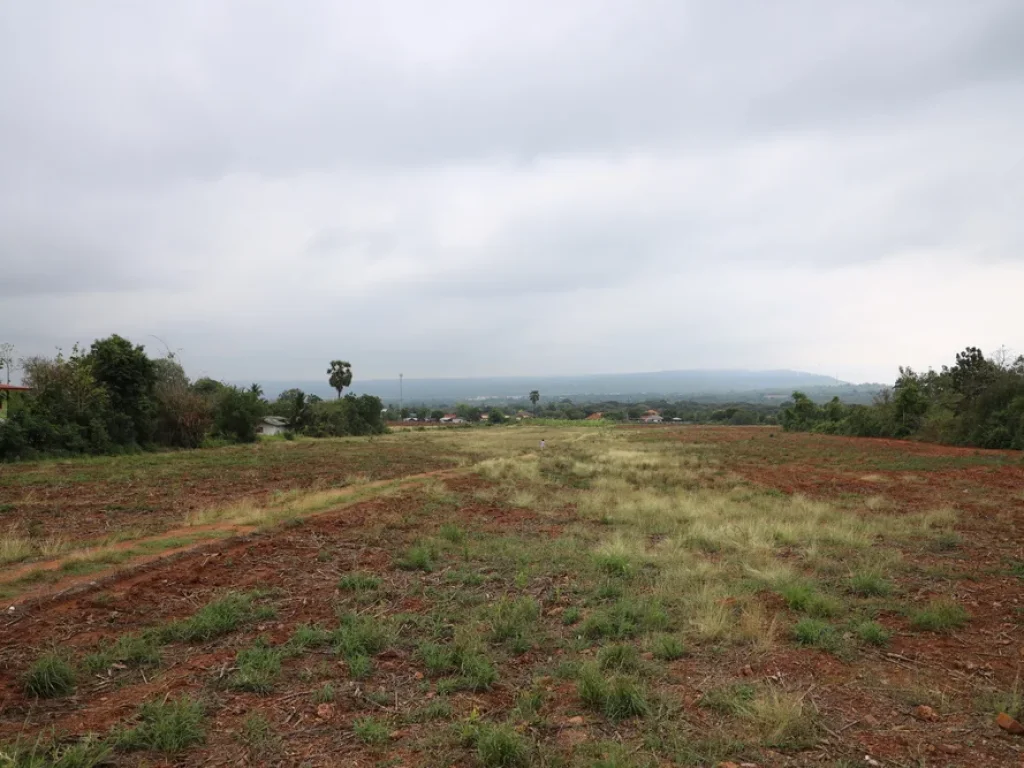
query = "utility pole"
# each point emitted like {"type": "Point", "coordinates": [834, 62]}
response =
{"type": "Point", "coordinates": [401, 404]}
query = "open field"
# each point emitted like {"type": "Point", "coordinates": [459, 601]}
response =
{"type": "Point", "coordinates": [625, 597]}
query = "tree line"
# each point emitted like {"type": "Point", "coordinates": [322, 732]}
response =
{"type": "Point", "coordinates": [114, 398]}
{"type": "Point", "coordinates": [979, 401]}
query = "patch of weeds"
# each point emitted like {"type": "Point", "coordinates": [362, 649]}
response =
{"type": "Point", "coordinates": [818, 634]}
{"type": "Point", "coordinates": [358, 582]}
{"type": "Point", "coordinates": [946, 541]}
{"type": "Point", "coordinates": [438, 709]}
{"type": "Point", "coordinates": [618, 657]}
{"type": "Point", "coordinates": [511, 622]}
{"type": "Point", "coordinates": [499, 746]}
{"type": "Point", "coordinates": [324, 694]}
{"type": "Point", "coordinates": [360, 637]}
{"type": "Point", "coordinates": [86, 753]}
{"type": "Point", "coordinates": [476, 672]}
{"type": "Point", "coordinates": [528, 704]}
{"type": "Point", "coordinates": [437, 658]}
{"type": "Point", "coordinates": [730, 699]}
{"type": "Point", "coordinates": [614, 564]}
{"type": "Point", "coordinates": [939, 616]}
{"type": "Point", "coordinates": [618, 698]}
{"type": "Point", "coordinates": [359, 667]}
{"type": "Point", "coordinates": [257, 668]}
{"type": "Point", "coordinates": [870, 584]}
{"type": "Point", "coordinates": [168, 725]}
{"type": "Point", "coordinates": [420, 557]}
{"type": "Point", "coordinates": [805, 599]}
{"type": "Point", "coordinates": [785, 720]}
{"type": "Point", "coordinates": [668, 648]}
{"type": "Point", "coordinates": [370, 730]}
{"type": "Point", "coordinates": [609, 589]}
{"type": "Point", "coordinates": [872, 633]}
{"type": "Point", "coordinates": [50, 676]}
{"type": "Point", "coordinates": [568, 670]}
{"type": "Point", "coordinates": [1011, 702]}
{"type": "Point", "coordinates": [627, 618]}
{"type": "Point", "coordinates": [132, 650]}
{"type": "Point", "coordinates": [1017, 568]}
{"type": "Point", "coordinates": [570, 616]}
{"type": "Point", "coordinates": [307, 636]}
{"type": "Point", "coordinates": [217, 618]}
{"type": "Point", "coordinates": [452, 534]}
{"type": "Point", "coordinates": [466, 578]}
{"type": "Point", "coordinates": [258, 734]}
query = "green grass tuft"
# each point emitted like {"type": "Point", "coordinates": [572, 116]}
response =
{"type": "Point", "coordinates": [358, 582]}
{"type": "Point", "coordinates": [618, 657]}
{"type": "Point", "coordinates": [668, 648]}
{"type": "Point", "coordinates": [511, 622]}
{"type": "Point", "coordinates": [370, 730]}
{"type": "Point", "coordinates": [872, 633]}
{"type": "Point", "coordinates": [939, 616]}
{"type": "Point", "coordinates": [50, 676]}
{"type": "Point", "coordinates": [499, 746]}
{"type": "Point", "coordinates": [168, 725]}
{"type": "Point", "coordinates": [805, 599]}
{"type": "Point", "coordinates": [257, 668]}
{"type": "Point", "coordinates": [817, 633]}
{"type": "Point", "coordinates": [729, 700]}
{"type": "Point", "coordinates": [870, 584]}
{"type": "Point", "coordinates": [216, 618]}
{"type": "Point", "coordinates": [419, 557]}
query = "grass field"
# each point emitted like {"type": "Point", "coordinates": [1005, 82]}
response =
{"type": "Point", "coordinates": [624, 597]}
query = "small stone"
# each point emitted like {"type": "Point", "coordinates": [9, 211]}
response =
{"type": "Point", "coordinates": [727, 765]}
{"type": "Point", "coordinates": [747, 671]}
{"type": "Point", "coordinates": [396, 735]}
{"type": "Point", "coordinates": [1009, 725]}
{"type": "Point", "coordinates": [924, 712]}
{"type": "Point", "coordinates": [869, 760]}
{"type": "Point", "coordinates": [647, 656]}
{"type": "Point", "coordinates": [574, 722]}
{"type": "Point", "coordinates": [871, 721]}
{"type": "Point", "coordinates": [748, 765]}
{"type": "Point", "coordinates": [949, 749]}
{"type": "Point", "coordinates": [325, 711]}
{"type": "Point", "coordinates": [418, 675]}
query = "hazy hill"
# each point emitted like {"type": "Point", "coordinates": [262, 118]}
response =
{"type": "Point", "coordinates": [622, 386]}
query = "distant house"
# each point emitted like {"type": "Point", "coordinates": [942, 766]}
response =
{"type": "Point", "coordinates": [520, 415]}
{"type": "Point", "coordinates": [5, 396]}
{"type": "Point", "coordinates": [677, 420]}
{"type": "Point", "coordinates": [595, 416]}
{"type": "Point", "coordinates": [651, 417]}
{"type": "Point", "coordinates": [272, 425]}
{"type": "Point", "coordinates": [452, 418]}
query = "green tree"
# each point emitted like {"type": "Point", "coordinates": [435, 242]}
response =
{"type": "Point", "coordinates": [534, 398]}
{"type": "Point", "coordinates": [237, 412]}
{"type": "Point", "coordinates": [129, 377]}
{"type": "Point", "coordinates": [7, 360]}
{"type": "Point", "coordinates": [339, 375]}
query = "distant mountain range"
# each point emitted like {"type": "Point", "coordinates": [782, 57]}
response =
{"type": "Point", "coordinates": [613, 386]}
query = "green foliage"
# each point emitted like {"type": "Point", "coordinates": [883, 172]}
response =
{"type": "Point", "coordinates": [939, 616]}
{"type": "Point", "coordinates": [511, 621]}
{"type": "Point", "coordinates": [50, 676]}
{"type": "Point", "coordinates": [237, 413]}
{"type": "Point", "coordinates": [339, 375]}
{"type": "Point", "coordinates": [166, 725]}
{"type": "Point", "coordinates": [86, 753]}
{"type": "Point", "coordinates": [978, 402]}
{"type": "Point", "coordinates": [419, 557]}
{"type": "Point", "coordinates": [258, 733]}
{"type": "Point", "coordinates": [618, 657]}
{"type": "Point", "coordinates": [129, 377]}
{"type": "Point", "coordinates": [626, 618]}
{"type": "Point", "coordinates": [803, 598]}
{"type": "Point", "coordinates": [349, 415]}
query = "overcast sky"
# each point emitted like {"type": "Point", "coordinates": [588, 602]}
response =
{"type": "Point", "coordinates": [463, 188]}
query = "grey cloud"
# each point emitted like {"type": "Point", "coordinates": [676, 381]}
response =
{"type": "Point", "coordinates": [390, 177]}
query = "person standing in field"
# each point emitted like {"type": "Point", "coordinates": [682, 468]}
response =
{"type": "Point", "coordinates": [542, 445]}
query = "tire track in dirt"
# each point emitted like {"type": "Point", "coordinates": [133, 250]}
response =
{"type": "Point", "coordinates": [227, 536]}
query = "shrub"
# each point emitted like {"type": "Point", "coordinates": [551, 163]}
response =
{"type": "Point", "coordinates": [358, 582]}
{"type": "Point", "coordinates": [50, 676]}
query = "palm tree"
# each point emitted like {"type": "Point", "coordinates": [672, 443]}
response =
{"type": "Point", "coordinates": [534, 397]}
{"type": "Point", "coordinates": [340, 375]}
